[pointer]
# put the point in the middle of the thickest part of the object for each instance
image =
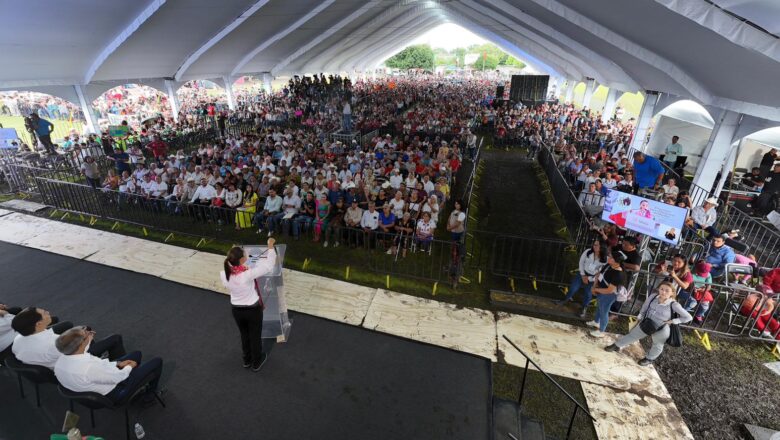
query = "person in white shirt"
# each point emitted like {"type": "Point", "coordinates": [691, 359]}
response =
{"type": "Point", "coordinates": [370, 222]}
{"type": "Point", "coordinates": [671, 189]}
{"type": "Point", "coordinates": [672, 151]}
{"type": "Point", "coordinates": [34, 344]}
{"type": "Point", "coordinates": [233, 197]}
{"type": "Point", "coordinates": [79, 371]}
{"type": "Point", "coordinates": [273, 204]}
{"type": "Point", "coordinates": [424, 231]}
{"type": "Point", "coordinates": [291, 204]}
{"type": "Point", "coordinates": [396, 179]}
{"type": "Point", "coordinates": [239, 279]}
{"type": "Point", "coordinates": [7, 332]}
{"type": "Point", "coordinates": [398, 204]}
{"type": "Point", "coordinates": [428, 186]}
{"type": "Point", "coordinates": [202, 199]}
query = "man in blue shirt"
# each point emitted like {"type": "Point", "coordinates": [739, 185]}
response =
{"type": "Point", "coordinates": [648, 171]}
{"type": "Point", "coordinates": [43, 129]}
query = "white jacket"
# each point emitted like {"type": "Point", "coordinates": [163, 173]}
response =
{"type": "Point", "coordinates": [589, 263]}
{"type": "Point", "coordinates": [242, 286]}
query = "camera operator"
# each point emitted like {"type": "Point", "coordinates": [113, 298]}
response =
{"type": "Point", "coordinates": [43, 129]}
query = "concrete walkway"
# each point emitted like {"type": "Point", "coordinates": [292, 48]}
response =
{"type": "Point", "coordinates": [628, 401]}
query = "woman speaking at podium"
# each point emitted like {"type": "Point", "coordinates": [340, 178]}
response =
{"type": "Point", "coordinates": [247, 303]}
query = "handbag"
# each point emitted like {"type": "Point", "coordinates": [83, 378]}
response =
{"type": "Point", "coordinates": [675, 335]}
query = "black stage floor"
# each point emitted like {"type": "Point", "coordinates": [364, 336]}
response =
{"type": "Point", "coordinates": [330, 381]}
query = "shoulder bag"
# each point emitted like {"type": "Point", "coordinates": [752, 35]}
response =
{"type": "Point", "coordinates": [675, 335]}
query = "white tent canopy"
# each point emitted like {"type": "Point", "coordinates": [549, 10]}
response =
{"type": "Point", "coordinates": [695, 49]}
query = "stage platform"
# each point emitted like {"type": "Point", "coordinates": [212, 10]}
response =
{"type": "Point", "coordinates": [629, 401]}
{"type": "Point", "coordinates": [329, 381]}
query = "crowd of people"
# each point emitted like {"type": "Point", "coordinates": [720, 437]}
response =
{"type": "Point", "coordinates": [594, 158]}
{"type": "Point", "coordinates": [285, 176]}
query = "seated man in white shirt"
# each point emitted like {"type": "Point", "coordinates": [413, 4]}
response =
{"type": "Point", "coordinates": [370, 222]}
{"type": "Point", "coordinates": [7, 333]}
{"type": "Point", "coordinates": [34, 344]}
{"type": "Point", "coordinates": [202, 197]}
{"type": "Point", "coordinates": [79, 371]}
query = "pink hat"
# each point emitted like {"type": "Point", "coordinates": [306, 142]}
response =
{"type": "Point", "coordinates": [702, 269]}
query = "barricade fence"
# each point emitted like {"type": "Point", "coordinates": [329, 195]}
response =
{"type": "Point", "coordinates": [733, 309]}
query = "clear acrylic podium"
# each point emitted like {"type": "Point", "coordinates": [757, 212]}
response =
{"type": "Point", "coordinates": [276, 323]}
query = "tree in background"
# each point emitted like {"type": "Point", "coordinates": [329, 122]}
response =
{"type": "Point", "coordinates": [491, 56]}
{"type": "Point", "coordinates": [420, 56]}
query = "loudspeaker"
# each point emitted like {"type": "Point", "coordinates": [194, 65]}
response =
{"type": "Point", "coordinates": [529, 89]}
{"type": "Point", "coordinates": [500, 92]}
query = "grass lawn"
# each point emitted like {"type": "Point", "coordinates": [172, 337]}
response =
{"type": "Point", "coordinates": [630, 102]}
{"type": "Point", "coordinates": [62, 128]}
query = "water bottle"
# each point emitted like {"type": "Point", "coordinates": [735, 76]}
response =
{"type": "Point", "coordinates": [74, 434]}
{"type": "Point", "coordinates": [139, 431]}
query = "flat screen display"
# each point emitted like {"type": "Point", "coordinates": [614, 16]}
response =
{"type": "Point", "coordinates": [645, 216]}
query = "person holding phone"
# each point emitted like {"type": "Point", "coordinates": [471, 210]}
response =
{"type": "Point", "coordinates": [247, 304]}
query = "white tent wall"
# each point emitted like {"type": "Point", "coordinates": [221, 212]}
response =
{"type": "Point", "coordinates": [751, 153]}
{"type": "Point", "coordinates": [692, 137]}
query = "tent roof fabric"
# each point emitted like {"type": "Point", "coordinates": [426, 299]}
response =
{"type": "Point", "coordinates": [699, 49]}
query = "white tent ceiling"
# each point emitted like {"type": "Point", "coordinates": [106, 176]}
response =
{"type": "Point", "coordinates": [696, 49]}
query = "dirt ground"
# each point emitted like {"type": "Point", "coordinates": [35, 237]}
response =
{"type": "Point", "coordinates": [720, 390]}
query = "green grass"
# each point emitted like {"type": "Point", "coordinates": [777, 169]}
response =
{"type": "Point", "coordinates": [543, 401]}
{"type": "Point", "coordinates": [62, 128]}
{"type": "Point", "coordinates": [630, 102]}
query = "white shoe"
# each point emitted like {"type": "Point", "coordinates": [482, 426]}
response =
{"type": "Point", "coordinates": [593, 324]}
{"type": "Point", "coordinates": [766, 334]}
{"type": "Point", "coordinates": [389, 252]}
{"type": "Point", "coordinates": [270, 234]}
{"type": "Point", "coordinates": [325, 244]}
{"type": "Point", "coordinates": [597, 333]}
{"type": "Point", "coordinates": [336, 244]}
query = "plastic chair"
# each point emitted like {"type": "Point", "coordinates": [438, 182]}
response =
{"type": "Point", "coordinates": [34, 373]}
{"type": "Point", "coordinates": [93, 401]}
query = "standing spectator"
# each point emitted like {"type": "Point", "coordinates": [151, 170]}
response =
{"type": "Point", "coordinates": [768, 162]}
{"type": "Point", "coordinates": [591, 262]}
{"type": "Point", "coordinates": [648, 171]}
{"type": "Point", "coordinates": [91, 171]}
{"type": "Point", "coordinates": [672, 151]}
{"type": "Point", "coordinates": [653, 320]}
{"type": "Point", "coordinates": [605, 286]}
{"type": "Point", "coordinates": [158, 148]}
{"type": "Point", "coordinates": [43, 129]}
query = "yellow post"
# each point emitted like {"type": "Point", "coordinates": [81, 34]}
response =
{"type": "Point", "coordinates": [776, 351]}
{"type": "Point", "coordinates": [564, 289]}
{"type": "Point", "coordinates": [81, 217]}
{"type": "Point", "coordinates": [92, 221]}
{"type": "Point", "coordinates": [146, 233]}
{"type": "Point", "coordinates": [53, 213]}
{"type": "Point", "coordinates": [201, 242]}
{"type": "Point", "coordinates": [387, 282]}
{"type": "Point", "coordinates": [346, 275]}
{"type": "Point", "coordinates": [479, 276]}
{"type": "Point", "coordinates": [168, 237]}
{"type": "Point", "coordinates": [435, 285]}
{"type": "Point", "coordinates": [512, 284]}
{"type": "Point", "coordinates": [533, 281]}
{"type": "Point", "coordinates": [65, 216]}
{"type": "Point", "coordinates": [705, 341]}
{"type": "Point", "coordinates": [115, 225]}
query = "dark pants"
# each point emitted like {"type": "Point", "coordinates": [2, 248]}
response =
{"type": "Point", "coordinates": [46, 141]}
{"type": "Point", "coordinates": [113, 345]}
{"type": "Point", "coordinates": [250, 323]}
{"type": "Point", "coordinates": [148, 372]}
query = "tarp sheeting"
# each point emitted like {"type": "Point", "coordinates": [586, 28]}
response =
{"type": "Point", "coordinates": [689, 48]}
